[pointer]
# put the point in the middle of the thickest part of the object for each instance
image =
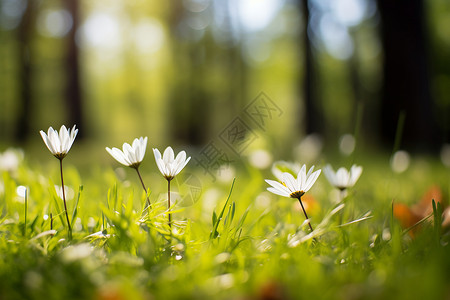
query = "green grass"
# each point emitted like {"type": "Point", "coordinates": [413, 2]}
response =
{"type": "Point", "coordinates": [252, 245]}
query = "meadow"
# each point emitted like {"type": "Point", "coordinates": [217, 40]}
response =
{"type": "Point", "coordinates": [386, 237]}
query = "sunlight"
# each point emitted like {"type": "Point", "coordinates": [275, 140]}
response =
{"type": "Point", "coordinates": [149, 36]}
{"type": "Point", "coordinates": [338, 17]}
{"type": "Point", "coordinates": [11, 11]}
{"type": "Point", "coordinates": [54, 23]}
{"type": "Point", "coordinates": [349, 12]}
{"type": "Point", "coordinates": [336, 38]}
{"type": "Point", "coordinates": [102, 30]}
{"type": "Point", "coordinates": [256, 15]}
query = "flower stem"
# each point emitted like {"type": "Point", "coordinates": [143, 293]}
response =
{"type": "Point", "coordinates": [64, 199]}
{"type": "Point", "coordinates": [145, 189]}
{"type": "Point", "coordinates": [304, 211]}
{"type": "Point", "coordinates": [168, 202]}
{"type": "Point", "coordinates": [26, 208]}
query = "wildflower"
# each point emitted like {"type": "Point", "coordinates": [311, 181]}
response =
{"type": "Point", "coordinates": [295, 188]}
{"type": "Point", "coordinates": [132, 156]}
{"type": "Point", "coordinates": [59, 144]}
{"type": "Point", "coordinates": [343, 179]}
{"type": "Point", "coordinates": [169, 166]}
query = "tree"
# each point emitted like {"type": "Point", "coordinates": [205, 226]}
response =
{"type": "Point", "coordinates": [25, 32]}
{"type": "Point", "coordinates": [406, 82]}
{"type": "Point", "coordinates": [73, 88]}
{"type": "Point", "coordinates": [313, 116]}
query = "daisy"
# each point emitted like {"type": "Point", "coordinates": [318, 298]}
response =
{"type": "Point", "coordinates": [343, 179]}
{"type": "Point", "coordinates": [295, 188]}
{"type": "Point", "coordinates": [169, 166]}
{"type": "Point", "coordinates": [59, 145]}
{"type": "Point", "coordinates": [132, 156]}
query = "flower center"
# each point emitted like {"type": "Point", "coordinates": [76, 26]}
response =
{"type": "Point", "coordinates": [60, 155]}
{"type": "Point", "coordinates": [297, 194]}
{"type": "Point", "coordinates": [341, 187]}
{"type": "Point", "coordinates": [135, 165]}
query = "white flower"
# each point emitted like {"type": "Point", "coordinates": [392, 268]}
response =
{"type": "Point", "coordinates": [291, 187]}
{"type": "Point", "coordinates": [168, 165]}
{"type": "Point", "coordinates": [131, 156]}
{"type": "Point", "coordinates": [59, 144]}
{"type": "Point", "coordinates": [343, 179]}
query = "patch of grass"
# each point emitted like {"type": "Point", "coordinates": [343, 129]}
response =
{"type": "Point", "coordinates": [236, 241]}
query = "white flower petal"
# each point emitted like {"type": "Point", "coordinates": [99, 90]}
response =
{"type": "Point", "coordinates": [301, 177]}
{"type": "Point", "coordinates": [278, 192]}
{"type": "Point", "coordinates": [54, 140]}
{"type": "Point", "coordinates": [290, 182]}
{"type": "Point", "coordinates": [278, 186]}
{"type": "Point", "coordinates": [180, 159]}
{"type": "Point", "coordinates": [143, 148]}
{"type": "Point", "coordinates": [64, 138]}
{"type": "Point", "coordinates": [157, 154]}
{"type": "Point", "coordinates": [117, 155]}
{"type": "Point", "coordinates": [311, 180]}
{"type": "Point", "coordinates": [182, 165]}
{"type": "Point", "coordinates": [329, 174]}
{"type": "Point", "coordinates": [129, 153]}
{"type": "Point", "coordinates": [355, 173]}
{"type": "Point", "coordinates": [137, 149]}
{"type": "Point", "coordinates": [310, 171]}
{"type": "Point", "coordinates": [47, 142]}
{"type": "Point", "coordinates": [168, 156]}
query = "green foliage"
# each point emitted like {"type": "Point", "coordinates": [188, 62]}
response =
{"type": "Point", "coordinates": [244, 248]}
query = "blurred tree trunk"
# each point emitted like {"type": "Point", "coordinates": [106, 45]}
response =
{"type": "Point", "coordinates": [73, 88]}
{"type": "Point", "coordinates": [189, 104]}
{"type": "Point", "coordinates": [25, 34]}
{"type": "Point", "coordinates": [198, 96]}
{"type": "Point", "coordinates": [312, 115]}
{"type": "Point", "coordinates": [406, 83]}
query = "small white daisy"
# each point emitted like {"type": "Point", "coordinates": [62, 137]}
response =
{"type": "Point", "coordinates": [291, 187]}
{"type": "Point", "coordinates": [343, 179]}
{"type": "Point", "coordinates": [131, 155]}
{"type": "Point", "coordinates": [295, 188]}
{"type": "Point", "coordinates": [168, 165]}
{"type": "Point", "coordinates": [59, 144]}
